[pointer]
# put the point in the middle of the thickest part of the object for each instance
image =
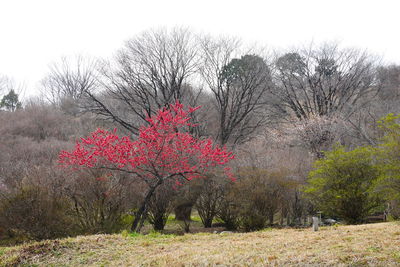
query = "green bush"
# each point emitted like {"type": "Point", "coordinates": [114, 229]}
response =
{"type": "Point", "coordinates": [388, 158]}
{"type": "Point", "coordinates": [341, 184]}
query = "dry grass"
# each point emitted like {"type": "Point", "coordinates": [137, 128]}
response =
{"type": "Point", "coordinates": [373, 244]}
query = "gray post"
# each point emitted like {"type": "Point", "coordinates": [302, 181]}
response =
{"type": "Point", "coordinates": [315, 223]}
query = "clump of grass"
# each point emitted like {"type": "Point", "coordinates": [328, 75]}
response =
{"type": "Point", "coordinates": [155, 234]}
{"type": "Point", "coordinates": [135, 235]}
{"type": "Point", "coordinates": [152, 234]}
{"type": "Point", "coordinates": [267, 229]}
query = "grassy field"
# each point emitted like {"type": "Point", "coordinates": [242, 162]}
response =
{"type": "Point", "coordinates": [373, 244]}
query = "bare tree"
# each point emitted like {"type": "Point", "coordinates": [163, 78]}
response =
{"type": "Point", "coordinates": [207, 203]}
{"type": "Point", "coordinates": [389, 78]}
{"type": "Point", "coordinates": [3, 85]}
{"type": "Point", "coordinates": [238, 85]}
{"type": "Point", "coordinates": [99, 200]}
{"type": "Point", "coordinates": [7, 84]}
{"type": "Point", "coordinates": [150, 72]}
{"type": "Point", "coordinates": [69, 80]}
{"type": "Point", "coordinates": [321, 81]}
{"type": "Point", "coordinates": [363, 123]}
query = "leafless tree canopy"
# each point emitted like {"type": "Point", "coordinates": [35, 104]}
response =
{"type": "Point", "coordinates": [324, 80]}
{"type": "Point", "coordinates": [69, 79]}
{"type": "Point", "coordinates": [150, 72]}
{"type": "Point", "coordinates": [389, 78]}
{"type": "Point", "coordinates": [7, 84]}
{"type": "Point", "coordinates": [3, 85]}
{"type": "Point", "coordinates": [238, 86]}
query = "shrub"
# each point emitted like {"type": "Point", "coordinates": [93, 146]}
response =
{"type": "Point", "coordinates": [207, 202]}
{"type": "Point", "coordinates": [340, 184]}
{"type": "Point", "coordinates": [388, 158]}
{"type": "Point", "coordinates": [33, 212]}
{"type": "Point", "coordinates": [100, 200]}
{"type": "Point", "coordinates": [254, 199]}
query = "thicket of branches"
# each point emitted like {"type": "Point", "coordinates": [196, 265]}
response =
{"type": "Point", "coordinates": [278, 113]}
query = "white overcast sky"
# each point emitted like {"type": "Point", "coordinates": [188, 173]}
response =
{"type": "Point", "coordinates": [34, 33]}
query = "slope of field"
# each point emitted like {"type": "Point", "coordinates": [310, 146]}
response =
{"type": "Point", "coordinates": [373, 244]}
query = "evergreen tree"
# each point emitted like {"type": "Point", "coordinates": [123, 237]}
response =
{"type": "Point", "coordinates": [10, 101]}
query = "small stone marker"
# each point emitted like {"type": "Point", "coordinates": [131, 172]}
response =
{"type": "Point", "coordinates": [315, 223]}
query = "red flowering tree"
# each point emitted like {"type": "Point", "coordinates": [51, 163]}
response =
{"type": "Point", "coordinates": [163, 151]}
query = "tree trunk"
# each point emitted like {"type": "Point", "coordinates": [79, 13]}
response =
{"type": "Point", "coordinates": [159, 223]}
{"type": "Point", "coordinates": [183, 212]}
{"type": "Point", "coordinates": [271, 218]}
{"type": "Point", "coordinates": [208, 222]}
{"type": "Point", "coordinates": [141, 213]}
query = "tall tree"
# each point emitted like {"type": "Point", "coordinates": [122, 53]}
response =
{"type": "Point", "coordinates": [151, 71]}
{"type": "Point", "coordinates": [325, 80]}
{"type": "Point", "coordinates": [68, 81]}
{"type": "Point", "coordinates": [239, 87]}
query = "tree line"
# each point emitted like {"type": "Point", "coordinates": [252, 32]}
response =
{"type": "Point", "coordinates": [278, 112]}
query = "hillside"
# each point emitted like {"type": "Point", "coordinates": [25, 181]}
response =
{"type": "Point", "coordinates": [373, 244]}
